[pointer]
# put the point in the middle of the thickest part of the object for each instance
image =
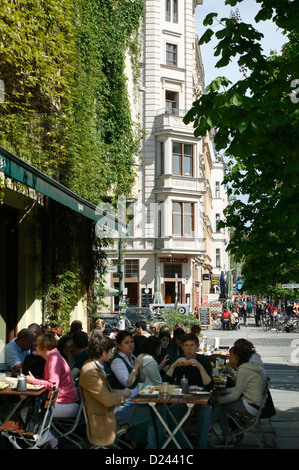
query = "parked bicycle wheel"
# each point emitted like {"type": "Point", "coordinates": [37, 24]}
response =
{"type": "Point", "coordinates": [267, 324]}
{"type": "Point", "coordinates": [280, 326]}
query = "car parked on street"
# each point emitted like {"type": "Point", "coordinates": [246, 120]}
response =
{"type": "Point", "coordinates": [135, 314]}
{"type": "Point", "coordinates": [112, 323]}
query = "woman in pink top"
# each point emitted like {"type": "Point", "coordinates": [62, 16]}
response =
{"type": "Point", "coordinates": [58, 372]}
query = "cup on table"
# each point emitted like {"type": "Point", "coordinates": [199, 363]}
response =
{"type": "Point", "coordinates": [164, 389]}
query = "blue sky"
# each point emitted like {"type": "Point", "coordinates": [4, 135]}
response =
{"type": "Point", "coordinates": [273, 39]}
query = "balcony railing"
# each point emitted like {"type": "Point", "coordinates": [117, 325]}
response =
{"type": "Point", "coordinates": [173, 111]}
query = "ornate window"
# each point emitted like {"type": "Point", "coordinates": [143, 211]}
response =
{"type": "Point", "coordinates": [182, 159]}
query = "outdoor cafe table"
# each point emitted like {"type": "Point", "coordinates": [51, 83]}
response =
{"type": "Point", "coordinates": [8, 391]}
{"type": "Point", "coordinates": [189, 400]}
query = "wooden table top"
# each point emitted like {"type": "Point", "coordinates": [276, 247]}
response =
{"type": "Point", "coordinates": [201, 399]}
{"type": "Point", "coordinates": [29, 393]}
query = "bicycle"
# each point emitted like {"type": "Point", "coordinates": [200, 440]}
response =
{"type": "Point", "coordinates": [292, 325]}
{"type": "Point", "coordinates": [267, 323]}
{"type": "Point", "coordinates": [280, 322]}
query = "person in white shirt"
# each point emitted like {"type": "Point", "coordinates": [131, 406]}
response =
{"type": "Point", "coordinates": [125, 372]}
{"type": "Point", "coordinates": [151, 349]}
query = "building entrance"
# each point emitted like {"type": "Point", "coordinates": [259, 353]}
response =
{"type": "Point", "coordinates": [170, 296]}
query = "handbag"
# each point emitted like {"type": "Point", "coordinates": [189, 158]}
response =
{"type": "Point", "coordinates": [35, 414]}
{"type": "Point", "coordinates": [269, 408]}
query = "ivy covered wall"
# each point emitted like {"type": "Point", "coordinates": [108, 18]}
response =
{"type": "Point", "coordinates": [67, 110]}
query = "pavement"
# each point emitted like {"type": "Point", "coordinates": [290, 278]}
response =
{"type": "Point", "coordinates": [280, 354]}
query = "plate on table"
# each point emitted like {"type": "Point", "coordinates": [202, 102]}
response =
{"type": "Point", "coordinates": [176, 392]}
{"type": "Point", "coordinates": [195, 388]}
{"type": "Point", "coordinates": [12, 381]}
{"type": "Point", "coordinates": [3, 385]}
{"type": "Point", "coordinates": [203, 392]}
{"type": "Point", "coordinates": [30, 387]}
{"type": "Point", "coordinates": [34, 387]}
{"type": "Point", "coordinates": [149, 391]}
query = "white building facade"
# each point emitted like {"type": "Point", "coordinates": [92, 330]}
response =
{"type": "Point", "coordinates": [175, 204]}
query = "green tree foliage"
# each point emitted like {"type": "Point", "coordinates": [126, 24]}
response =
{"type": "Point", "coordinates": [36, 66]}
{"type": "Point", "coordinates": [172, 317]}
{"type": "Point", "coordinates": [66, 107]}
{"type": "Point", "coordinates": [104, 138]}
{"type": "Point", "coordinates": [256, 121]}
{"type": "Point", "coordinates": [67, 112]}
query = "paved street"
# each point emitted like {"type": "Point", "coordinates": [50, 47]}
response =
{"type": "Point", "coordinates": [280, 354]}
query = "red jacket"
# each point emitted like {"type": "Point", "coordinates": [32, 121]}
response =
{"type": "Point", "coordinates": [226, 315]}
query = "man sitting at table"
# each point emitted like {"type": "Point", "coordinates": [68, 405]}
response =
{"type": "Point", "coordinates": [197, 368]}
{"type": "Point", "coordinates": [17, 350]}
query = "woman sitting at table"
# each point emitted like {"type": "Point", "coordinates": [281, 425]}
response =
{"type": "Point", "coordinates": [151, 348]}
{"type": "Point", "coordinates": [125, 372]}
{"type": "Point", "coordinates": [255, 358]}
{"type": "Point", "coordinates": [163, 357]}
{"type": "Point", "coordinates": [245, 396]}
{"type": "Point", "coordinates": [99, 399]}
{"type": "Point", "coordinates": [57, 373]}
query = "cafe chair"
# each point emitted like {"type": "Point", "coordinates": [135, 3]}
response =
{"type": "Point", "coordinates": [251, 424]}
{"type": "Point", "coordinates": [20, 438]}
{"type": "Point", "coordinates": [119, 442]}
{"type": "Point", "coordinates": [69, 428]}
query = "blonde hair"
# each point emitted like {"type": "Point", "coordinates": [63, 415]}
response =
{"type": "Point", "coordinates": [99, 323]}
{"type": "Point", "coordinates": [156, 325]}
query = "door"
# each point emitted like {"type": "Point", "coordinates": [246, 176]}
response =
{"type": "Point", "coordinates": [9, 238]}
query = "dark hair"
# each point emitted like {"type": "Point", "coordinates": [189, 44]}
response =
{"type": "Point", "coordinates": [141, 324]}
{"type": "Point", "coordinates": [25, 334]}
{"type": "Point", "coordinates": [190, 337]}
{"type": "Point", "coordinates": [243, 350]}
{"type": "Point", "coordinates": [80, 339]}
{"type": "Point", "coordinates": [195, 329]}
{"type": "Point", "coordinates": [36, 328]}
{"type": "Point", "coordinates": [121, 335]}
{"type": "Point", "coordinates": [150, 345]}
{"type": "Point", "coordinates": [64, 339]}
{"type": "Point", "coordinates": [241, 341]}
{"type": "Point", "coordinates": [46, 329]}
{"type": "Point", "coordinates": [164, 334]}
{"type": "Point", "coordinates": [98, 345]}
{"type": "Point", "coordinates": [76, 325]}
{"type": "Point", "coordinates": [178, 332]}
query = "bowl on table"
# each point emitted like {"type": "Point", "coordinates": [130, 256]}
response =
{"type": "Point", "coordinates": [12, 381]}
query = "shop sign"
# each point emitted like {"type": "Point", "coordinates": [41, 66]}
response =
{"type": "Point", "coordinates": [173, 260]}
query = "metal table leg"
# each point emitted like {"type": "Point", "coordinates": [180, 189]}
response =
{"type": "Point", "coordinates": [178, 426]}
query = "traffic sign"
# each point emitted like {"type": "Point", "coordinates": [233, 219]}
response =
{"type": "Point", "coordinates": [290, 286]}
{"type": "Point", "coordinates": [112, 269]}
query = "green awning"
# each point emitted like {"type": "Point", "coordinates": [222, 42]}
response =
{"type": "Point", "coordinates": [21, 171]}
